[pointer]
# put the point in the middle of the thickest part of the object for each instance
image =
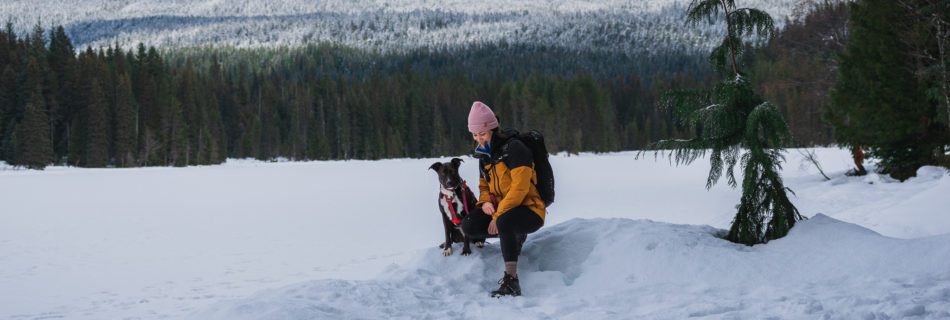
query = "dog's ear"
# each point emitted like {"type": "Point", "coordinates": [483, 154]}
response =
{"type": "Point", "coordinates": [456, 162]}
{"type": "Point", "coordinates": [436, 166]}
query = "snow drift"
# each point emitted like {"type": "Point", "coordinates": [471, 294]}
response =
{"type": "Point", "coordinates": [622, 268]}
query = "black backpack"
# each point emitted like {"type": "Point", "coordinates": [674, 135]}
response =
{"type": "Point", "coordinates": [534, 140]}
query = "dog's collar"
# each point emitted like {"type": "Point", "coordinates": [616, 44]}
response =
{"type": "Point", "coordinates": [450, 193]}
{"type": "Point", "coordinates": [449, 197]}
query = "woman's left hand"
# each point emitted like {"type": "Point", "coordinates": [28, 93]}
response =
{"type": "Point", "coordinates": [492, 228]}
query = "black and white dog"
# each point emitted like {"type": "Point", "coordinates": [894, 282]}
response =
{"type": "Point", "coordinates": [456, 201]}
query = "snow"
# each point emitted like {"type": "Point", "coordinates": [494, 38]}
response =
{"type": "Point", "coordinates": [621, 268]}
{"type": "Point", "coordinates": [5, 166]}
{"type": "Point", "coordinates": [626, 238]}
{"type": "Point", "coordinates": [915, 208]}
{"type": "Point", "coordinates": [617, 25]}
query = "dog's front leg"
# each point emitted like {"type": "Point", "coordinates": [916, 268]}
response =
{"type": "Point", "coordinates": [447, 248]}
{"type": "Point", "coordinates": [466, 249]}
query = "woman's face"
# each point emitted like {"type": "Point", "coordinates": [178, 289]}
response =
{"type": "Point", "coordinates": [482, 138]}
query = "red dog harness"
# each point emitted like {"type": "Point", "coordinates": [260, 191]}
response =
{"type": "Point", "coordinates": [448, 202]}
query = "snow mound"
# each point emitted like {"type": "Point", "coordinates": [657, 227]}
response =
{"type": "Point", "coordinates": [622, 268]}
{"type": "Point", "coordinates": [909, 209]}
{"type": "Point", "coordinates": [4, 166]}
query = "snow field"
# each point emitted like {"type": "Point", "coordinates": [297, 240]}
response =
{"type": "Point", "coordinates": [324, 239]}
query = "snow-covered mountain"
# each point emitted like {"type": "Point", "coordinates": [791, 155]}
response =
{"type": "Point", "coordinates": [624, 25]}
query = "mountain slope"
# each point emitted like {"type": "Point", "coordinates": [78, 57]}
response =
{"type": "Point", "coordinates": [615, 25]}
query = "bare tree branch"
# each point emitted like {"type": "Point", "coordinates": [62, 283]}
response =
{"type": "Point", "coordinates": [808, 155]}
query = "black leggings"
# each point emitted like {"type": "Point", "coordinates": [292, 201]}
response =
{"type": "Point", "coordinates": [513, 228]}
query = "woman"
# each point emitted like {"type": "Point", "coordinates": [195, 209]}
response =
{"type": "Point", "coordinates": [508, 204]}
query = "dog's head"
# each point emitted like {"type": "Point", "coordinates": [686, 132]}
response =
{"type": "Point", "coordinates": [448, 173]}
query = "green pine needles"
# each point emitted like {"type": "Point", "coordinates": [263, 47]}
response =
{"type": "Point", "coordinates": [741, 22]}
{"type": "Point", "coordinates": [737, 127]}
{"type": "Point", "coordinates": [888, 98]}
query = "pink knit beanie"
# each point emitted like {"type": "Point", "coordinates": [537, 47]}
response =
{"type": "Point", "coordinates": [481, 118]}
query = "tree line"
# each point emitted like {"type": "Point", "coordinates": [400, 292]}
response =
{"type": "Point", "coordinates": [142, 107]}
{"type": "Point", "coordinates": [798, 69]}
{"type": "Point", "coordinates": [139, 106]}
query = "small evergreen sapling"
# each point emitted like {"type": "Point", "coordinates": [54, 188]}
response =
{"type": "Point", "coordinates": [736, 126]}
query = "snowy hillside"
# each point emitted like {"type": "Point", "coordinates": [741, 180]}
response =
{"type": "Point", "coordinates": [629, 26]}
{"type": "Point", "coordinates": [356, 239]}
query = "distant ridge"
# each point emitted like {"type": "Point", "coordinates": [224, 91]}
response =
{"type": "Point", "coordinates": [650, 26]}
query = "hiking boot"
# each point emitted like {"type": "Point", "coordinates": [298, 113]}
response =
{"type": "Point", "coordinates": [509, 287]}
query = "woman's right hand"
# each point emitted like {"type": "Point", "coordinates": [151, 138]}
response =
{"type": "Point", "coordinates": [488, 208]}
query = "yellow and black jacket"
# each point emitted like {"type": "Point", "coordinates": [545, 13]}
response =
{"type": "Point", "coordinates": [507, 177]}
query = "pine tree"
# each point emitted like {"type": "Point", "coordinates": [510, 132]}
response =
{"type": "Point", "coordinates": [731, 117]}
{"type": "Point", "coordinates": [63, 65]}
{"type": "Point", "coordinates": [932, 21]}
{"type": "Point", "coordinates": [217, 145]}
{"type": "Point", "coordinates": [35, 150]}
{"type": "Point", "coordinates": [881, 99]}
{"type": "Point", "coordinates": [97, 144]}
{"type": "Point", "coordinates": [8, 86]}
{"type": "Point", "coordinates": [188, 107]}
{"type": "Point", "coordinates": [178, 143]}
{"type": "Point", "coordinates": [124, 123]}
{"type": "Point", "coordinates": [5, 48]}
